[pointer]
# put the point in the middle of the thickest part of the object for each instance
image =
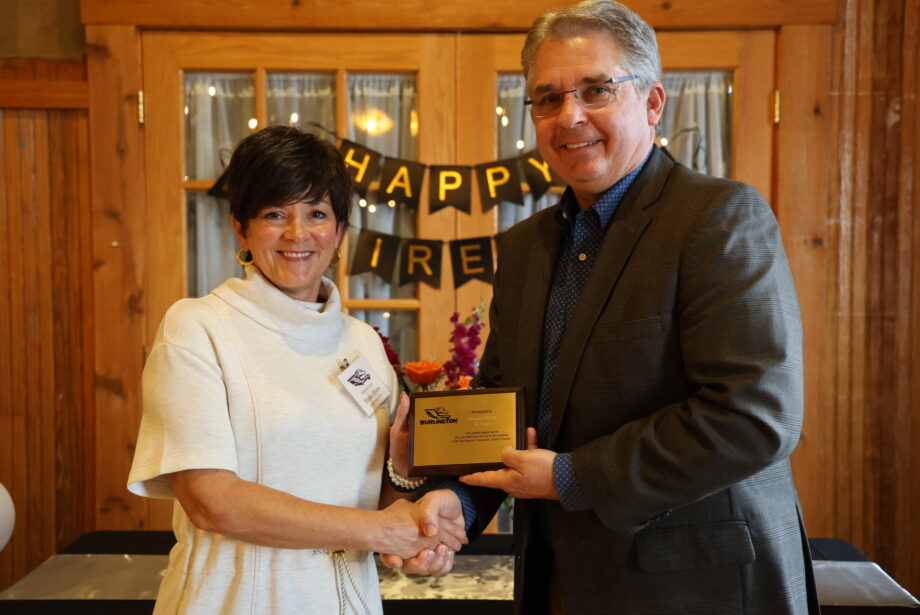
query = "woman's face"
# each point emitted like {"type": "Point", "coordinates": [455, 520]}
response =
{"type": "Point", "coordinates": [292, 245]}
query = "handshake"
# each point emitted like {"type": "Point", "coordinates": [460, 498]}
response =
{"type": "Point", "coordinates": [422, 537]}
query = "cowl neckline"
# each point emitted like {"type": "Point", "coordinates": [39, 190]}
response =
{"type": "Point", "coordinates": [264, 303]}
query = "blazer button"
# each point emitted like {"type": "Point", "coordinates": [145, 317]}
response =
{"type": "Point", "coordinates": [582, 257]}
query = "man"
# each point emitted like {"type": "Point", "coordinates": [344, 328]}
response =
{"type": "Point", "coordinates": [652, 320]}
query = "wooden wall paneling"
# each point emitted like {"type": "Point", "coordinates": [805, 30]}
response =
{"type": "Point", "coordinates": [753, 90]}
{"type": "Point", "coordinates": [42, 352]}
{"type": "Point", "coordinates": [71, 276]}
{"type": "Point", "coordinates": [8, 415]}
{"type": "Point", "coordinates": [447, 15]}
{"type": "Point", "coordinates": [38, 69]}
{"type": "Point", "coordinates": [17, 549]}
{"type": "Point", "coordinates": [436, 145]}
{"type": "Point", "coordinates": [117, 184]}
{"type": "Point", "coordinates": [873, 215]}
{"type": "Point", "coordinates": [801, 181]}
{"type": "Point", "coordinates": [909, 344]}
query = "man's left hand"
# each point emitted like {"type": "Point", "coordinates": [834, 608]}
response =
{"type": "Point", "coordinates": [529, 473]}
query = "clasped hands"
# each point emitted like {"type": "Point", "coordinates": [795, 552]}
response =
{"type": "Point", "coordinates": [528, 474]}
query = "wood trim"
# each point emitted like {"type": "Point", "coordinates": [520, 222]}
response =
{"type": "Point", "coordinates": [44, 94]}
{"type": "Point", "coordinates": [117, 177]}
{"type": "Point", "coordinates": [801, 186]}
{"type": "Point", "coordinates": [424, 16]}
{"type": "Point", "coordinates": [383, 304]}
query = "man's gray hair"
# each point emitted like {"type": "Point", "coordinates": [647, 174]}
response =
{"type": "Point", "coordinates": [635, 38]}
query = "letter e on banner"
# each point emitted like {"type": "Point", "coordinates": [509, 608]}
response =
{"type": "Point", "coordinates": [471, 259]}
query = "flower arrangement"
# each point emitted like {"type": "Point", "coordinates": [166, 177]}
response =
{"type": "Point", "coordinates": [456, 373]}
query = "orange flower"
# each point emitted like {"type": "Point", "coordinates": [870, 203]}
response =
{"type": "Point", "coordinates": [423, 372]}
{"type": "Point", "coordinates": [463, 382]}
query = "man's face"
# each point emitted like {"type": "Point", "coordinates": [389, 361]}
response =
{"type": "Point", "coordinates": [591, 149]}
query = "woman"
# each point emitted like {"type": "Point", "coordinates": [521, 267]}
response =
{"type": "Point", "coordinates": [276, 467]}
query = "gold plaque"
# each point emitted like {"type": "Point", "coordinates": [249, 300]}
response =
{"type": "Point", "coordinates": [458, 432]}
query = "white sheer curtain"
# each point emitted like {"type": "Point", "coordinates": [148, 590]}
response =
{"type": "Point", "coordinates": [383, 117]}
{"type": "Point", "coordinates": [696, 122]}
{"type": "Point", "coordinates": [218, 109]}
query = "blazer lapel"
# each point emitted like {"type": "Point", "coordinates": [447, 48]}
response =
{"type": "Point", "coordinates": [627, 227]}
{"type": "Point", "coordinates": [533, 309]}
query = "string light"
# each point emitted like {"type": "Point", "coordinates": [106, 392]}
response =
{"type": "Point", "coordinates": [520, 144]}
{"type": "Point", "coordinates": [372, 208]}
{"type": "Point", "coordinates": [663, 141]}
{"type": "Point", "coordinates": [391, 203]}
{"type": "Point", "coordinates": [253, 123]}
{"type": "Point", "coordinates": [362, 202]}
{"type": "Point", "coordinates": [505, 120]}
{"type": "Point", "coordinates": [386, 314]}
{"type": "Point", "coordinates": [295, 118]}
{"type": "Point", "coordinates": [212, 91]}
{"type": "Point", "coordinates": [186, 109]}
{"type": "Point", "coordinates": [499, 111]}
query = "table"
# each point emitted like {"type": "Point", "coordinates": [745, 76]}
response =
{"type": "Point", "coordinates": [118, 572]}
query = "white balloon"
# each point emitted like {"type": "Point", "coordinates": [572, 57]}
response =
{"type": "Point", "coordinates": [7, 516]}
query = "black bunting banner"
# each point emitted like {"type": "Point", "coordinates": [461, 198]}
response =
{"type": "Point", "coordinates": [538, 174]}
{"type": "Point", "coordinates": [449, 186]}
{"type": "Point", "coordinates": [401, 181]}
{"type": "Point", "coordinates": [376, 252]}
{"type": "Point", "coordinates": [499, 181]}
{"type": "Point", "coordinates": [420, 261]}
{"type": "Point", "coordinates": [471, 259]}
{"type": "Point", "coordinates": [363, 164]}
{"type": "Point", "coordinates": [219, 189]}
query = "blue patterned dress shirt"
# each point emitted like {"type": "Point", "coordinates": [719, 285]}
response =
{"type": "Point", "coordinates": [583, 234]}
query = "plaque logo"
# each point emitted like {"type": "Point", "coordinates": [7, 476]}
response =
{"type": "Point", "coordinates": [439, 416]}
{"type": "Point", "coordinates": [359, 377]}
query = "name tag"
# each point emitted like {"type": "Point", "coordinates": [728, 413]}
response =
{"type": "Point", "coordinates": [364, 386]}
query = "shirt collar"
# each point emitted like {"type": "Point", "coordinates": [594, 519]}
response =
{"type": "Point", "coordinates": [604, 206]}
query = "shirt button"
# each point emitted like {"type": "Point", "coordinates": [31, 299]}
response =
{"type": "Point", "coordinates": [565, 215]}
{"type": "Point", "coordinates": [582, 257]}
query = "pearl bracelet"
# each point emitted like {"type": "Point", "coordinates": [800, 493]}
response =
{"type": "Point", "coordinates": [401, 483]}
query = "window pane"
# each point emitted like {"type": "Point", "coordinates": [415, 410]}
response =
{"type": "Point", "coordinates": [400, 326]}
{"type": "Point", "coordinates": [697, 120]}
{"type": "Point", "coordinates": [219, 111]}
{"type": "Point", "coordinates": [383, 117]}
{"type": "Point", "coordinates": [302, 100]}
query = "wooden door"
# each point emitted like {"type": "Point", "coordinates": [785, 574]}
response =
{"type": "Point", "coordinates": [170, 57]}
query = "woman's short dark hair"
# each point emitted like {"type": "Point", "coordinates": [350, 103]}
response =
{"type": "Point", "coordinates": [280, 165]}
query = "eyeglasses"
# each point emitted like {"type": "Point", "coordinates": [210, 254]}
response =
{"type": "Point", "coordinates": [591, 96]}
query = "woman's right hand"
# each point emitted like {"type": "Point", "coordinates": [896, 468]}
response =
{"type": "Point", "coordinates": [402, 532]}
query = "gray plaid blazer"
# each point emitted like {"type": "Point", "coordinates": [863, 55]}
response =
{"type": "Point", "coordinates": [679, 393]}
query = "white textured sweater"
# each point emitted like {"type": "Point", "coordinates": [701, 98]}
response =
{"type": "Point", "coordinates": [244, 380]}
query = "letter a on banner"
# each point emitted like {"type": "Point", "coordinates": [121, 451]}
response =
{"type": "Point", "coordinates": [401, 181]}
{"type": "Point", "coordinates": [471, 259]}
{"type": "Point", "coordinates": [420, 261]}
{"type": "Point", "coordinates": [499, 181]}
{"type": "Point", "coordinates": [449, 186]}
{"type": "Point", "coordinates": [538, 174]}
{"type": "Point", "coordinates": [363, 164]}
{"type": "Point", "coordinates": [376, 252]}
